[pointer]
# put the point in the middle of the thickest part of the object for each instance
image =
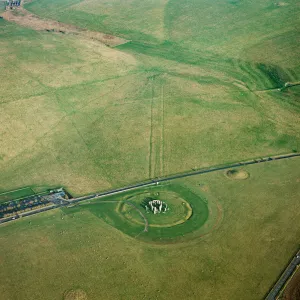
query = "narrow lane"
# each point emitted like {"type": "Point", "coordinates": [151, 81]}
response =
{"type": "Point", "coordinates": [156, 181]}
{"type": "Point", "coordinates": [288, 272]}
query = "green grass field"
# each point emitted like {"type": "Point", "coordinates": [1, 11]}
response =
{"type": "Point", "coordinates": [195, 86]}
{"type": "Point", "coordinates": [176, 225]}
{"type": "Point", "coordinates": [82, 247]}
{"type": "Point", "coordinates": [175, 209]}
{"type": "Point", "coordinates": [81, 115]}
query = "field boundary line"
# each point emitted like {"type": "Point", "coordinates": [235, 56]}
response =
{"type": "Point", "coordinates": [162, 153]}
{"type": "Point", "coordinates": [26, 98]}
{"type": "Point", "coordinates": [91, 153]}
{"type": "Point", "coordinates": [151, 130]}
{"type": "Point", "coordinates": [38, 140]}
{"type": "Point", "coordinates": [156, 133]}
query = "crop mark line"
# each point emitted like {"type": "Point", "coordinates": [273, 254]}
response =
{"type": "Point", "coordinates": [26, 98]}
{"type": "Point", "coordinates": [102, 95]}
{"type": "Point", "coordinates": [156, 156]}
{"type": "Point", "coordinates": [92, 155]}
{"type": "Point", "coordinates": [37, 140]}
{"type": "Point", "coordinates": [146, 223]}
{"type": "Point", "coordinates": [151, 131]}
{"type": "Point", "coordinates": [141, 214]}
{"type": "Point", "coordinates": [162, 131]}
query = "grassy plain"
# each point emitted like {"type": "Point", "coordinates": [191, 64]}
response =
{"type": "Point", "coordinates": [79, 114]}
{"type": "Point", "coordinates": [83, 250]}
{"type": "Point", "coordinates": [195, 86]}
{"type": "Point", "coordinates": [216, 27]}
{"type": "Point", "coordinates": [172, 227]}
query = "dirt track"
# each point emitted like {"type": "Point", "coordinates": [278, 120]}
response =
{"type": "Point", "coordinates": [24, 18]}
{"type": "Point", "coordinates": [292, 291]}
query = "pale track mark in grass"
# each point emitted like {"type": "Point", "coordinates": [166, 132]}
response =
{"type": "Point", "coordinates": [83, 106]}
{"type": "Point", "coordinates": [146, 223]}
{"type": "Point", "coordinates": [31, 76]}
{"type": "Point", "coordinates": [94, 81]}
{"type": "Point", "coordinates": [92, 154]}
{"type": "Point", "coordinates": [102, 95]}
{"type": "Point", "coordinates": [38, 140]}
{"type": "Point", "coordinates": [162, 153]}
{"type": "Point", "coordinates": [142, 216]}
{"type": "Point", "coordinates": [156, 149]}
{"type": "Point", "coordinates": [150, 137]}
{"type": "Point", "coordinates": [95, 120]}
{"type": "Point", "coordinates": [34, 78]}
{"type": "Point", "coordinates": [151, 132]}
{"type": "Point", "coordinates": [26, 98]}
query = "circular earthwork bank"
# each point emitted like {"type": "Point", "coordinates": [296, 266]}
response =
{"type": "Point", "coordinates": [176, 210]}
{"type": "Point", "coordinates": [75, 295]}
{"type": "Point", "coordinates": [237, 174]}
{"type": "Point", "coordinates": [164, 214]}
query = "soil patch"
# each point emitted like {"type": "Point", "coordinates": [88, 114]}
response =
{"type": "Point", "coordinates": [75, 295]}
{"type": "Point", "coordinates": [282, 4]}
{"type": "Point", "coordinates": [292, 290]}
{"type": "Point", "coordinates": [24, 18]}
{"type": "Point", "coordinates": [237, 174]}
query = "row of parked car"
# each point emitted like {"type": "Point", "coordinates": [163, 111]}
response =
{"type": "Point", "coordinates": [15, 207]}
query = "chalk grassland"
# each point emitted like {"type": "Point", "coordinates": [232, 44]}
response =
{"type": "Point", "coordinates": [78, 114]}
{"type": "Point", "coordinates": [189, 90]}
{"type": "Point", "coordinates": [259, 31]}
{"type": "Point", "coordinates": [240, 260]}
{"type": "Point", "coordinates": [58, 99]}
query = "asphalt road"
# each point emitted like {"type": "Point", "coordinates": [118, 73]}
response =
{"type": "Point", "coordinates": [155, 182]}
{"type": "Point", "coordinates": [187, 174]}
{"type": "Point", "coordinates": [284, 277]}
{"type": "Point", "coordinates": [28, 213]}
{"type": "Point", "coordinates": [288, 272]}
